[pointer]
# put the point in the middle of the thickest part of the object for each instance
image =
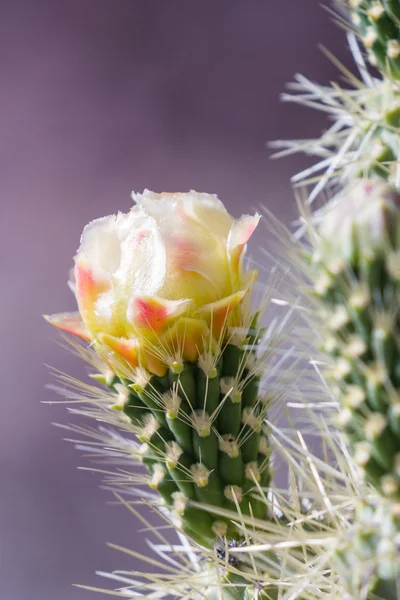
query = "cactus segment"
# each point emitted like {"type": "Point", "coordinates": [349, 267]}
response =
{"type": "Point", "coordinates": [232, 361]}
{"type": "Point", "coordinates": [200, 428]}
{"type": "Point", "coordinates": [212, 491]}
{"type": "Point", "coordinates": [207, 390]}
{"type": "Point", "coordinates": [150, 395]}
{"type": "Point", "coordinates": [162, 482]}
{"type": "Point", "coordinates": [250, 390]}
{"type": "Point", "coordinates": [179, 465]}
{"type": "Point", "coordinates": [359, 304]}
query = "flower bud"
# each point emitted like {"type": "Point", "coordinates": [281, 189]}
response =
{"type": "Point", "coordinates": [361, 220]}
{"type": "Point", "coordinates": [161, 281]}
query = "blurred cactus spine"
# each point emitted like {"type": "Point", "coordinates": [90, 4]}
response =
{"type": "Point", "coordinates": [378, 22]}
{"type": "Point", "coordinates": [368, 559]}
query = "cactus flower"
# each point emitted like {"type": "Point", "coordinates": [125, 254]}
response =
{"type": "Point", "coordinates": [156, 284]}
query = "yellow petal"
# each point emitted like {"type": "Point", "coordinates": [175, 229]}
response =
{"type": "Point", "coordinates": [151, 362]}
{"type": "Point", "coordinates": [186, 337]}
{"type": "Point", "coordinates": [217, 313]}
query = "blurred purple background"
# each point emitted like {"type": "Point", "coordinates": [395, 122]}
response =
{"type": "Point", "coordinates": [99, 97]}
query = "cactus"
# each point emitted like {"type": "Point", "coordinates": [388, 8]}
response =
{"type": "Point", "coordinates": [354, 261]}
{"type": "Point", "coordinates": [261, 547]}
{"type": "Point", "coordinates": [176, 341]}
{"type": "Point", "coordinates": [363, 141]}
{"type": "Point", "coordinates": [288, 553]}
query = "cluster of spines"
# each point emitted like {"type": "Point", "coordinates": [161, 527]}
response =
{"type": "Point", "coordinates": [201, 428]}
{"type": "Point", "coordinates": [368, 559]}
{"type": "Point", "coordinates": [377, 120]}
{"type": "Point", "coordinates": [379, 24]}
{"type": "Point", "coordinates": [360, 296]}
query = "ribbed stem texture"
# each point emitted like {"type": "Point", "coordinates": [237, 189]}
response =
{"type": "Point", "coordinates": [357, 265]}
{"type": "Point", "coordinates": [201, 430]}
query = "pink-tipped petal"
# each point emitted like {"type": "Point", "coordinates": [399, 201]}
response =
{"type": "Point", "coordinates": [89, 286]}
{"type": "Point", "coordinates": [71, 322]}
{"type": "Point", "coordinates": [94, 294]}
{"type": "Point", "coordinates": [150, 315]}
{"type": "Point", "coordinates": [240, 233]}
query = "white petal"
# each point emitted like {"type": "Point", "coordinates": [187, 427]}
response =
{"type": "Point", "coordinates": [100, 244]}
{"type": "Point", "coordinates": [101, 240]}
{"type": "Point", "coordinates": [143, 260]}
{"type": "Point", "coordinates": [209, 212]}
{"type": "Point", "coordinates": [206, 209]}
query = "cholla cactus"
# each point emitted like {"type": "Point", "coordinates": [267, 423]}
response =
{"type": "Point", "coordinates": [211, 482]}
{"type": "Point", "coordinates": [356, 280]}
{"type": "Point", "coordinates": [163, 299]}
{"type": "Point", "coordinates": [287, 555]}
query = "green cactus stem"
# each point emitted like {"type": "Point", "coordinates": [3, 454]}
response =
{"type": "Point", "coordinates": [200, 426]}
{"type": "Point", "coordinates": [379, 24]}
{"type": "Point", "coordinates": [357, 267]}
